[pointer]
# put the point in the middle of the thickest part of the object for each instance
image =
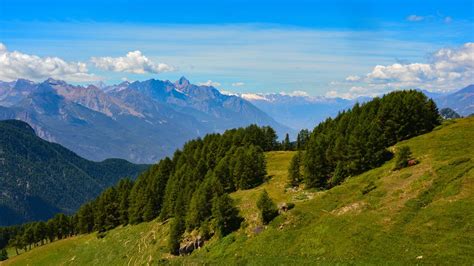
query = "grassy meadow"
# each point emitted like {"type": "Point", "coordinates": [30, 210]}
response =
{"type": "Point", "coordinates": [419, 215]}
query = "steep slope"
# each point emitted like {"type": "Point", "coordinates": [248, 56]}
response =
{"type": "Point", "coordinates": [461, 101]}
{"type": "Point", "coordinates": [216, 111]}
{"type": "Point", "coordinates": [420, 214]}
{"type": "Point", "coordinates": [39, 179]}
{"type": "Point", "coordinates": [141, 121]}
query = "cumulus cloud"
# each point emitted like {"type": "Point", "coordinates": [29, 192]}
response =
{"type": "Point", "coordinates": [447, 69]}
{"type": "Point", "coordinates": [415, 18]}
{"type": "Point", "coordinates": [134, 62]}
{"type": "Point", "coordinates": [353, 78]}
{"type": "Point", "coordinates": [14, 65]}
{"type": "Point", "coordinates": [209, 83]}
{"type": "Point", "coordinates": [238, 84]}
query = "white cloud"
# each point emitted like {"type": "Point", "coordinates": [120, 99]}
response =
{"type": "Point", "coordinates": [448, 19]}
{"type": "Point", "coordinates": [447, 69]}
{"type": "Point", "coordinates": [337, 94]}
{"type": "Point", "coordinates": [14, 65]}
{"type": "Point", "coordinates": [134, 62]}
{"type": "Point", "coordinates": [238, 84]}
{"type": "Point", "coordinates": [353, 78]}
{"type": "Point", "coordinates": [230, 93]}
{"type": "Point", "coordinates": [296, 93]}
{"type": "Point", "coordinates": [415, 18]}
{"type": "Point", "coordinates": [209, 83]}
{"type": "Point", "coordinates": [253, 97]}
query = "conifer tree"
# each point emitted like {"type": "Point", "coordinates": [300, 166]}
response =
{"type": "Point", "coordinates": [302, 139]}
{"type": "Point", "coordinates": [401, 158]}
{"type": "Point", "coordinates": [3, 254]}
{"type": "Point", "coordinates": [123, 189]}
{"type": "Point", "coordinates": [86, 218]}
{"type": "Point", "coordinates": [226, 215]}
{"type": "Point", "coordinates": [268, 209]}
{"type": "Point", "coordinates": [294, 170]}
{"type": "Point", "coordinates": [286, 143]}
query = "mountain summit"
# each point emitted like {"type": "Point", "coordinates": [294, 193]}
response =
{"type": "Point", "coordinates": [141, 121]}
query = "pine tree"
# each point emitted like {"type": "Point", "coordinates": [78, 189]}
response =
{"type": "Point", "coordinates": [51, 229]}
{"type": "Point", "coordinates": [302, 139]}
{"type": "Point", "coordinates": [402, 157]}
{"type": "Point", "coordinates": [40, 231]}
{"type": "Point", "coordinates": [286, 143]}
{"type": "Point", "coordinates": [3, 254]}
{"type": "Point", "coordinates": [294, 170]}
{"type": "Point", "coordinates": [226, 215]}
{"type": "Point", "coordinates": [123, 189]}
{"type": "Point", "coordinates": [86, 218]}
{"type": "Point", "coordinates": [268, 209]}
{"type": "Point", "coordinates": [177, 228]}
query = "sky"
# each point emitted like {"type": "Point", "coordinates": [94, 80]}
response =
{"type": "Point", "coordinates": [330, 48]}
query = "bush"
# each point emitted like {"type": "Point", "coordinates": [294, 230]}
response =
{"type": "Point", "coordinates": [290, 205]}
{"type": "Point", "coordinates": [402, 157]}
{"type": "Point", "coordinates": [267, 207]}
{"type": "Point", "coordinates": [3, 255]}
{"type": "Point", "coordinates": [101, 234]}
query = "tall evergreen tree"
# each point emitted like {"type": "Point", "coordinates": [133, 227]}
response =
{"type": "Point", "coordinates": [225, 214]}
{"type": "Point", "coordinates": [268, 209]}
{"type": "Point", "coordinates": [294, 170]}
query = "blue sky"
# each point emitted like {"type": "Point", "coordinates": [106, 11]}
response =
{"type": "Point", "coordinates": [319, 47]}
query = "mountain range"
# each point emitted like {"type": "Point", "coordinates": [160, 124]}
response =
{"type": "Point", "coordinates": [303, 111]}
{"type": "Point", "coordinates": [39, 179]}
{"type": "Point", "coordinates": [461, 101]}
{"type": "Point", "coordinates": [141, 121]}
{"type": "Point", "coordinates": [144, 121]}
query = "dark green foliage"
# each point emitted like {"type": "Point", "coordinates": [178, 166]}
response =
{"type": "Point", "coordinates": [294, 170]}
{"type": "Point", "coordinates": [7, 233]}
{"type": "Point", "coordinates": [86, 218]}
{"type": "Point", "coordinates": [448, 113]}
{"type": "Point", "coordinates": [177, 228]}
{"type": "Point", "coordinates": [286, 144]}
{"type": "Point", "coordinates": [46, 178]}
{"type": "Point", "coordinates": [356, 140]}
{"type": "Point", "coordinates": [123, 188]}
{"type": "Point", "coordinates": [268, 209]}
{"type": "Point", "coordinates": [402, 157]}
{"type": "Point", "coordinates": [302, 139]}
{"type": "Point", "coordinates": [3, 254]}
{"type": "Point", "coordinates": [191, 188]}
{"type": "Point", "coordinates": [226, 215]}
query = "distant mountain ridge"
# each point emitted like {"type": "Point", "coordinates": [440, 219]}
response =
{"type": "Point", "coordinates": [303, 111]}
{"type": "Point", "coordinates": [141, 121]}
{"type": "Point", "coordinates": [461, 101]}
{"type": "Point", "coordinates": [39, 179]}
{"type": "Point", "coordinates": [299, 111]}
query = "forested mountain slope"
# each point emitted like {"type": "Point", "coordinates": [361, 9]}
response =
{"type": "Point", "coordinates": [39, 179]}
{"type": "Point", "coordinates": [141, 122]}
{"type": "Point", "coordinates": [419, 214]}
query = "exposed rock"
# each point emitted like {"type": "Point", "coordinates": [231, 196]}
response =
{"type": "Point", "coordinates": [190, 245]}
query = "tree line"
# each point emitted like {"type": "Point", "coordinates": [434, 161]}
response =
{"type": "Point", "coordinates": [191, 187]}
{"type": "Point", "coordinates": [357, 139]}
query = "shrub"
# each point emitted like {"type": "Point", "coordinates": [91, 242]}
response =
{"type": "Point", "coordinates": [402, 157]}
{"type": "Point", "coordinates": [267, 207]}
{"type": "Point", "coordinates": [3, 255]}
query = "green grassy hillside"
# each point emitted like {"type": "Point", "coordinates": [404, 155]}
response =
{"type": "Point", "coordinates": [421, 214]}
